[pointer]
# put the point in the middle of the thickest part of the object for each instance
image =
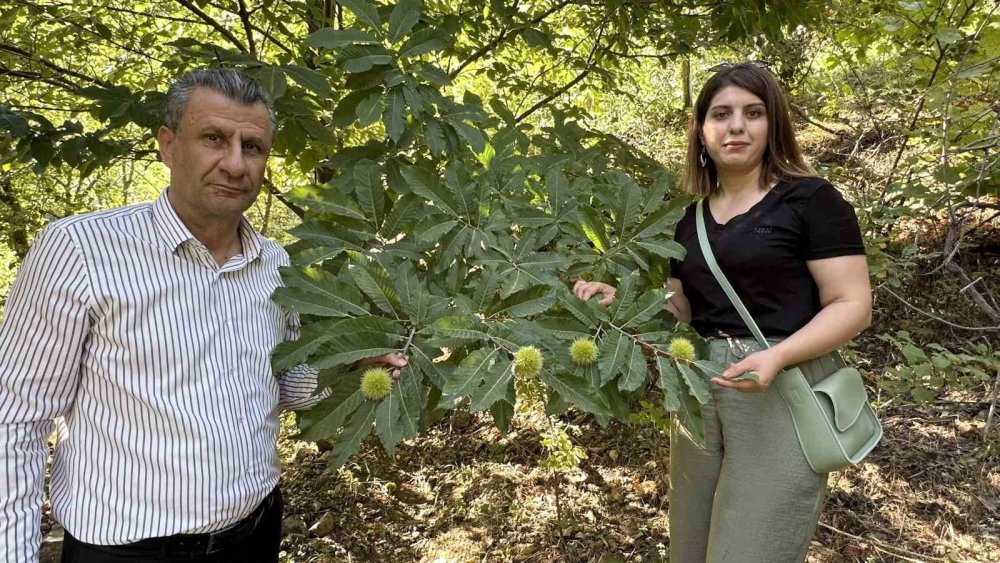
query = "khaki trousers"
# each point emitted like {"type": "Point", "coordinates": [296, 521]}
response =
{"type": "Point", "coordinates": [749, 496]}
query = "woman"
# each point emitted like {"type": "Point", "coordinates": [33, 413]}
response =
{"type": "Point", "coordinates": [791, 247]}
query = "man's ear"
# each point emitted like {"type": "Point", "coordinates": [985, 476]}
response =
{"type": "Point", "coordinates": [165, 140]}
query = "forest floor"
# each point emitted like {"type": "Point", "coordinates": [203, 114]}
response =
{"type": "Point", "coordinates": [464, 492]}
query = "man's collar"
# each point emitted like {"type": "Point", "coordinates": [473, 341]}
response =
{"type": "Point", "coordinates": [174, 233]}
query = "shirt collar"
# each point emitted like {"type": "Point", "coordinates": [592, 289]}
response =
{"type": "Point", "coordinates": [174, 233]}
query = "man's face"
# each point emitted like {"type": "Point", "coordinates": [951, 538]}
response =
{"type": "Point", "coordinates": [216, 157]}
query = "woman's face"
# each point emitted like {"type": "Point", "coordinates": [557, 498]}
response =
{"type": "Point", "coordinates": [735, 130]}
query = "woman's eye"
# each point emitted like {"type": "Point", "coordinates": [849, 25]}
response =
{"type": "Point", "coordinates": [755, 113]}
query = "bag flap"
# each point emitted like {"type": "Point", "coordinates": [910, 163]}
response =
{"type": "Point", "coordinates": [847, 393]}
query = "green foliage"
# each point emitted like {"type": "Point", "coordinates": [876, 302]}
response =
{"type": "Point", "coordinates": [563, 455]}
{"type": "Point", "coordinates": [923, 372]}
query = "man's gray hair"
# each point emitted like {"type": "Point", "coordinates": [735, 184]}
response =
{"type": "Point", "coordinates": [229, 82]}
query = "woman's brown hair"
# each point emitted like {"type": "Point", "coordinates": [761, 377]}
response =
{"type": "Point", "coordinates": [782, 157]}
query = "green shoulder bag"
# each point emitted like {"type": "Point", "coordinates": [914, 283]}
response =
{"type": "Point", "coordinates": [835, 424]}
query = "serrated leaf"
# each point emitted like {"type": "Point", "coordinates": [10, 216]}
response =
{"type": "Point", "coordinates": [433, 74]}
{"type": "Point", "coordinates": [386, 417]}
{"type": "Point", "coordinates": [577, 391]}
{"type": "Point", "coordinates": [370, 110]}
{"type": "Point", "coordinates": [434, 371]}
{"type": "Point", "coordinates": [271, 79]}
{"type": "Point", "coordinates": [349, 441]}
{"type": "Point", "coordinates": [664, 248]}
{"type": "Point", "coordinates": [328, 415]}
{"type": "Point", "coordinates": [331, 38]}
{"type": "Point", "coordinates": [310, 79]}
{"type": "Point", "coordinates": [558, 188]}
{"type": "Point", "coordinates": [290, 353]}
{"type": "Point", "coordinates": [614, 350]}
{"type": "Point", "coordinates": [423, 41]}
{"type": "Point", "coordinates": [582, 310]}
{"type": "Point", "coordinates": [435, 227]}
{"type": "Point", "coordinates": [494, 386]}
{"type": "Point", "coordinates": [314, 231]}
{"type": "Point", "coordinates": [695, 383]}
{"type": "Point", "coordinates": [670, 383]}
{"type": "Point", "coordinates": [625, 296]}
{"type": "Point", "coordinates": [360, 58]}
{"type": "Point", "coordinates": [593, 227]}
{"type": "Point", "coordinates": [525, 303]}
{"type": "Point", "coordinates": [628, 201]}
{"type": "Point", "coordinates": [364, 11]}
{"type": "Point", "coordinates": [312, 303]}
{"type": "Point", "coordinates": [371, 194]}
{"type": "Point", "coordinates": [335, 294]}
{"type": "Point", "coordinates": [502, 412]}
{"type": "Point", "coordinates": [635, 370]}
{"type": "Point", "coordinates": [373, 280]}
{"type": "Point", "coordinates": [404, 16]}
{"type": "Point", "coordinates": [324, 200]}
{"type": "Point", "coordinates": [645, 308]}
{"type": "Point", "coordinates": [394, 115]}
{"type": "Point", "coordinates": [470, 373]}
{"type": "Point", "coordinates": [425, 185]}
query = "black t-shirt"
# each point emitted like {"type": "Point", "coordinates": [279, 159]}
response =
{"type": "Point", "coordinates": [763, 252]}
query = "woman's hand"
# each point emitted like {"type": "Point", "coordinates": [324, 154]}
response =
{"type": "Point", "coordinates": [587, 289]}
{"type": "Point", "coordinates": [765, 364]}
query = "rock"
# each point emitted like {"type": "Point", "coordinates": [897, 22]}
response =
{"type": "Point", "coordinates": [324, 526]}
{"type": "Point", "coordinates": [460, 420]}
{"type": "Point", "coordinates": [293, 526]}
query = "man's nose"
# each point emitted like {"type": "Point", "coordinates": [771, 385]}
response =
{"type": "Point", "coordinates": [232, 161]}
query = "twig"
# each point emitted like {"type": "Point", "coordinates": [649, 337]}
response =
{"type": "Point", "coordinates": [883, 547]}
{"type": "Point", "coordinates": [214, 24]}
{"type": "Point", "coordinates": [935, 317]}
{"type": "Point", "coordinates": [993, 408]}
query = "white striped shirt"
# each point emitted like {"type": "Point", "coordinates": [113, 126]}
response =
{"type": "Point", "coordinates": [158, 360]}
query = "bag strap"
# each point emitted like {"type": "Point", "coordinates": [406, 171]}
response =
{"type": "Point", "coordinates": [706, 250]}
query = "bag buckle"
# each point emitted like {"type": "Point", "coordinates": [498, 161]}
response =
{"type": "Point", "coordinates": [213, 546]}
{"type": "Point", "coordinates": [737, 347]}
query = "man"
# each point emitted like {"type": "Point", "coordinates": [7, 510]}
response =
{"type": "Point", "coordinates": [149, 329]}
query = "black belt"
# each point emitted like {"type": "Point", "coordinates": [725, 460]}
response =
{"type": "Point", "coordinates": [208, 543]}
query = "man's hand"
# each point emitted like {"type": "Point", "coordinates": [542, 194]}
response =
{"type": "Point", "coordinates": [766, 364]}
{"type": "Point", "coordinates": [394, 361]}
{"type": "Point", "coordinates": [587, 289]}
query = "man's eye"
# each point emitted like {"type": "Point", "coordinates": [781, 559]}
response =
{"type": "Point", "coordinates": [212, 137]}
{"type": "Point", "coordinates": [254, 147]}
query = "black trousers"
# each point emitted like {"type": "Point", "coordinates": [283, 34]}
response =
{"type": "Point", "coordinates": [260, 546]}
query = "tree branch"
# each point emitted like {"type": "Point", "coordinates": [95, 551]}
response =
{"type": "Point", "coordinates": [566, 87]}
{"type": "Point", "coordinates": [506, 35]}
{"type": "Point", "coordinates": [214, 24]}
{"type": "Point", "coordinates": [269, 186]}
{"type": "Point", "coordinates": [62, 70]}
{"type": "Point", "coordinates": [247, 28]}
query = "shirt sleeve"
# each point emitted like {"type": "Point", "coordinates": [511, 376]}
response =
{"type": "Point", "coordinates": [831, 227]}
{"type": "Point", "coordinates": [297, 385]}
{"type": "Point", "coordinates": [44, 329]}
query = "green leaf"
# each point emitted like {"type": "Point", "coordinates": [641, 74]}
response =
{"type": "Point", "coordinates": [271, 79]}
{"type": "Point", "coordinates": [525, 303]}
{"type": "Point", "coordinates": [470, 374]}
{"type": "Point", "coordinates": [312, 303]}
{"type": "Point", "coordinates": [394, 116]}
{"type": "Point", "coordinates": [331, 38]}
{"type": "Point", "coordinates": [494, 387]}
{"type": "Point", "coordinates": [664, 248]}
{"type": "Point", "coordinates": [697, 385]}
{"type": "Point", "coordinates": [670, 382]}
{"type": "Point", "coordinates": [645, 308]}
{"type": "Point", "coordinates": [359, 58]}
{"type": "Point", "coordinates": [635, 370]}
{"type": "Point", "coordinates": [625, 296]}
{"type": "Point", "coordinates": [614, 350]}
{"type": "Point", "coordinates": [328, 415]}
{"type": "Point", "coordinates": [364, 11]}
{"type": "Point", "coordinates": [435, 227]}
{"type": "Point", "coordinates": [404, 16]}
{"type": "Point", "coordinates": [349, 441]}
{"type": "Point", "coordinates": [371, 193]}
{"type": "Point", "coordinates": [948, 35]}
{"type": "Point", "coordinates": [423, 41]}
{"type": "Point", "coordinates": [370, 110]}
{"type": "Point", "coordinates": [310, 79]}
{"type": "Point", "coordinates": [373, 280]}
{"type": "Point", "coordinates": [502, 412]}
{"type": "Point", "coordinates": [433, 74]}
{"type": "Point", "coordinates": [582, 310]}
{"type": "Point", "coordinates": [593, 227]}
{"type": "Point", "coordinates": [291, 353]}
{"type": "Point", "coordinates": [628, 201]}
{"type": "Point", "coordinates": [320, 283]}
{"type": "Point", "coordinates": [577, 391]}
{"type": "Point", "coordinates": [558, 188]}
